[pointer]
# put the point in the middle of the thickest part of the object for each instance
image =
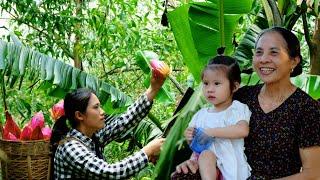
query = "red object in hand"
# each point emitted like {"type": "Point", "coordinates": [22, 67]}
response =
{"type": "Point", "coordinates": [160, 67]}
{"type": "Point", "coordinates": [11, 127]}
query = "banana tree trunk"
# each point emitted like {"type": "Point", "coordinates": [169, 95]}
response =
{"type": "Point", "coordinates": [315, 50]}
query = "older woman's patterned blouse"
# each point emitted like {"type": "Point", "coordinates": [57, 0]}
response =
{"type": "Point", "coordinates": [272, 147]}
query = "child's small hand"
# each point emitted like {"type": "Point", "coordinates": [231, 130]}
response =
{"type": "Point", "coordinates": [189, 133]}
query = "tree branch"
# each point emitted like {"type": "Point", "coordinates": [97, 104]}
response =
{"type": "Point", "coordinates": [276, 14]}
{"type": "Point", "coordinates": [306, 31]}
{"type": "Point", "coordinates": [58, 42]}
{"type": "Point", "coordinates": [176, 83]}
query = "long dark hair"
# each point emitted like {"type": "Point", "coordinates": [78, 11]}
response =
{"type": "Point", "coordinates": [228, 64]}
{"type": "Point", "coordinates": [293, 46]}
{"type": "Point", "coordinates": [74, 101]}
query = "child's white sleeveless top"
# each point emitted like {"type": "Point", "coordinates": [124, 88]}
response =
{"type": "Point", "coordinates": [231, 159]}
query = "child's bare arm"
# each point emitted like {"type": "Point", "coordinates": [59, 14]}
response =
{"type": "Point", "coordinates": [239, 130]}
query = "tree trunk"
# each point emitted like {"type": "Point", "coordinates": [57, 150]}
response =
{"type": "Point", "coordinates": [77, 45]}
{"type": "Point", "coordinates": [315, 50]}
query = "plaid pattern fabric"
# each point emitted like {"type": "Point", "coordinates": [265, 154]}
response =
{"type": "Point", "coordinates": [77, 158]}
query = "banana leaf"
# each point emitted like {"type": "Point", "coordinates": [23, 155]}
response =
{"type": "Point", "coordinates": [197, 29]}
{"type": "Point", "coordinates": [175, 141]}
{"type": "Point", "coordinates": [18, 61]}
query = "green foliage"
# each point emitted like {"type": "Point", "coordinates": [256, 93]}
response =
{"type": "Point", "coordinates": [198, 31]}
{"type": "Point", "coordinates": [22, 63]}
{"type": "Point", "coordinates": [106, 35]}
{"type": "Point", "coordinates": [174, 140]}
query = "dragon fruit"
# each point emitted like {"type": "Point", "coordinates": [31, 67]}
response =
{"type": "Point", "coordinates": [12, 137]}
{"type": "Point", "coordinates": [46, 131]}
{"type": "Point", "coordinates": [57, 110]}
{"type": "Point", "coordinates": [160, 67]}
{"type": "Point", "coordinates": [26, 133]}
{"type": "Point", "coordinates": [37, 120]}
{"type": "Point", "coordinates": [11, 127]}
{"type": "Point", "coordinates": [34, 130]}
{"type": "Point", "coordinates": [8, 135]}
{"type": "Point", "coordinates": [36, 134]}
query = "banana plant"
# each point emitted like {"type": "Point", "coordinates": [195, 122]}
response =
{"type": "Point", "coordinates": [20, 63]}
{"type": "Point", "coordinates": [202, 27]}
{"type": "Point", "coordinates": [174, 141]}
{"type": "Point", "coordinates": [284, 13]}
{"type": "Point", "coordinates": [195, 59]}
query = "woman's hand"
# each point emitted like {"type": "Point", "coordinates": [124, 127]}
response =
{"type": "Point", "coordinates": [188, 134]}
{"type": "Point", "coordinates": [186, 166]}
{"type": "Point", "coordinates": [153, 148]}
{"type": "Point", "coordinates": [156, 83]}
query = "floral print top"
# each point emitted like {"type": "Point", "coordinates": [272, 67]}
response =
{"type": "Point", "coordinates": [272, 146]}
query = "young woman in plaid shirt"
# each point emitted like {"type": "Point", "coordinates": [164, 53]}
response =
{"type": "Point", "coordinates": [78, 152]}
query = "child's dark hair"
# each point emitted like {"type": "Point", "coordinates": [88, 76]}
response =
{"type": "Point", "coordinates": [77, 100]}
{"type": "Point", "coordinates": [227, 64]}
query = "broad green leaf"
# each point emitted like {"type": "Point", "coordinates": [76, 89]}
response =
{"type": "Point", "coordinates": [75, 74]}
{"type": "Point", "coordinates": [45, 85]}
{"type": "Point", "coordinates": [313, 86]}
{"type": "Point", "coordinates": [250, 79]}
{"type": "Point", "coordinates": [175, 136]}
{"type": "Point", "coordinates": [92, 83]}
{"type": "Point", "coordinates": [57, 91]}
{"type": "Point", "coordinates": [3, 51]}
{"type": "Point", "coordinates": [205, 30]}
{"type": "Point", "coordinates": [308, 83]}
{"type": "Point", "coordinates": [55, 75]}
{"type": "Point", "coordinates": [244, 52]}
{"type": "Point", "coordinates": [197, 31]}
{"type": "Point", "coordinates": [57, 72]}
{"type": "Point", "coordinates": [67, 80]}
{"type": "Point", "coordinates": [179, 21]}
{"type": "Point", "coordinates": [230, 7]}
{"type": "Point", "coordinates": [82, 79]}
{"type": "Point", "coordinates": [15, 61]}
{"type": "Point", "coordinates": [23, 61]}
{"type": "Point", "coordinates": [49, 69]}
{"type": "Point", "coordinates": [268, 11]}
{"type": "Point", "coordinates": [43, 62]}
{"type": "Point", "coordinates": [143, 59]}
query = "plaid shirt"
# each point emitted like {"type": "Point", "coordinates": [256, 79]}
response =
{"type": "Point", "coordinates": [78, 158]}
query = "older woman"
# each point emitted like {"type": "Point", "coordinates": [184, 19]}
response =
{"type": "Point", "coordinates": [78, 151]}
{"type": "Point", "coordinates": [284, 137]}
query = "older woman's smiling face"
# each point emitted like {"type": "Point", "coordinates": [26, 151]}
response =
{"type": "Point", "coordinates": [271, 59]}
